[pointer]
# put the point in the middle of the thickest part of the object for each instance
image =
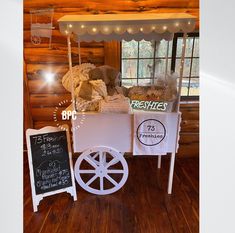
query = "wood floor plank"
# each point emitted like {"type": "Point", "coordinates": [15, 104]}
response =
{"type": "Point", "coordinates": [51, 223]}
{"type": "Point", "coordinates": [141, 206]}
{"type": "Point", "coordinates": [180, 204]}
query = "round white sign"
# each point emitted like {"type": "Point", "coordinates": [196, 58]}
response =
{"type": "Point", "coordinates": [151, 132]}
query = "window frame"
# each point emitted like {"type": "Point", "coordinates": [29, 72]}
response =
{"type": "Point", "coordinates": [173, 62]}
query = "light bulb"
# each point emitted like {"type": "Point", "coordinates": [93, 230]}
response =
{"type": "Point", "coordinates": [164, 27]}
{"type": "Point", "coordinates": [94, 29]}
{"type": "Point", "coordinates": [141, 29]}
{"type": "Point", "coordinates": [176, 24]}
{"type": "Point", "coordinates": [66, 32]}
{"type": "Point", "coordinates": [70, 25]}
{"type": "Point", "coordinates": [189, 22]}
{"type": "Point", "coordinates": [82, 26]}
{"type": "Point", "coordinates": [49, 77]}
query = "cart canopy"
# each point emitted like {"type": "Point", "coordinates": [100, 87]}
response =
{"type": "Point", "coordinates": [127, 27]}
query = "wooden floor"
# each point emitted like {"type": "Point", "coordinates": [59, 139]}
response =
{"type": "Point", "coordinates": [142, 205]}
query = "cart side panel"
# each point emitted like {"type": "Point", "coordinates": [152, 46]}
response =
{"type": "Point", "coordinates": [173, 124]}
{"type": "Point", "coordinates": [97, 129]}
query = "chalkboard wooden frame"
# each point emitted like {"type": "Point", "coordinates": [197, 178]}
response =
{"type": "Point", "coordinates": [36, 198]}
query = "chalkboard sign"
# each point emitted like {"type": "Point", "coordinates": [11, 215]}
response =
{"type": "Point", "coordinates": [50, 162]}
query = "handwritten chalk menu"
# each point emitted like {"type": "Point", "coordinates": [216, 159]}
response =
{"type": "Point", "coordinates": [50, 163]}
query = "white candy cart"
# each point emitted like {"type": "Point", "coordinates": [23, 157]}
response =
{"type": "Point", "coordinates": [104, 138]}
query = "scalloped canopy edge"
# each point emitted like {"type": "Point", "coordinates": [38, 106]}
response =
{"type": "Point", "coordinates": [126, 26]}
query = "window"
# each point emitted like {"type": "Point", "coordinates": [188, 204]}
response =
{"type": "Point", "coordinates": [190, 82]}
{"type": "Point", "coordinates": [144, 61]}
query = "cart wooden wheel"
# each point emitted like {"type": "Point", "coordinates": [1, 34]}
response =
{"type": "Point", "coordinates": [101, 170]}
{"type": "Point", "coordinates": [36, 40]}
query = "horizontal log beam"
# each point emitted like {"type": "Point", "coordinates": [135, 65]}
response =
{"type": "Point", "coordinates": [37, 69]}
{"type": "Point", "coordinates": [43, 87]}
{"type": "Point", "coordinates": [104, 10]}
{"type": "Point", "coordinates": [106, 5]}
{"type": "Point", "coordinates": [49, 100]}
{"type": "Point", "coordinates": [58, 40]}
{"type": "Point", "coordinates": [188, 145]}
{"type": "Point", "coordinates": [41, 124]}
{"type": "Point", "coordinates": [47, 113]}
{"type": "Point", "coordinates": [59, 55]}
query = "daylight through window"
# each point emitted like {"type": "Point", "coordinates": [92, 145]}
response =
{"type": "Point", "coordinates": [143, 62]}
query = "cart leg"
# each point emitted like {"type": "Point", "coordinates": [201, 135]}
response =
{"type": "Point", "coordinates": [159, 161]}
{"type": "Point", "coordinates": [171, 173]}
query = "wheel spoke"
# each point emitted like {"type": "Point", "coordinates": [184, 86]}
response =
{"type": "Point", "coordinates": [101, 183]}
{"type": "Point", "coordinates": [115, 171]}
{"type": "Point", "coordinates": [111, 180]}
{"type": "Point", "coordinates": [91, 180]}
{"type": "Point", "coordinates": [96, 154]}
{"type": "Point", "coordinates": [91, 161]}
{"type": "Point", "coordinates": [100, 158]}
{"type": "Point", "coordinates": [86, 171]}
{"type": "Point", "coordinates": [112, 162]}
{"type": "Point", "coordinates": [104, 158]}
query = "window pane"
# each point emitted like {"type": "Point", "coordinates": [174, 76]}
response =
{"type": "Point", "coordinates": [129, 68]}
{"type": "Point", "coordinates": [195, 67]}
{"type": "Point", "coordinates": [179, 47]}
{"type": "Point", "coordinates": [146, 49]}
{"type": "Point", "coordinates": [184, 89]}
{"type": "Point", "coordinates": [188, 49]}
{"type": "Point", "coordinates": [129, 49]}
{"type": "Point", "coordinates": [146, 68]}
{"type": "Point", "coordinates": [129, 82]}
{"type": "Point", "coordinates": [196, 48]}
{"type": "Point", "coordinates": [145, 82]}
{"type": "Point", "coordinates": [194, 87]}
{"type": "Point", "coordinates": [161, 48]}
{"type": "Point", "coordinates": [160, 66]}
{"type": "Point", "coordinates": [187, 62]}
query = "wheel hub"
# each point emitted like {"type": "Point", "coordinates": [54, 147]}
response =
{"type": "Point", "coordinates": [101, 171]}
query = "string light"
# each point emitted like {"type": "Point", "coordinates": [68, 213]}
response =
{"type": "Point", "coordinates": [106, 29]}
{"type": "Point", "coordinates": [141, 29]}
{"type": "Point", "coordinates": [164, 27]}
{"type": "Point", "coordinates": [82, 26]}
{"type": "Point", "coordinates": [66, 32]}
{"type": "Point", "coordinates": [94, 29]}
{"type": "Point", "coordinates": [70, 25]}
{"type": "Point", "coordinates": [153, 27]}
{"type": "Point", "coordinates": [189, 22]}
{"type": "Point", "coordinates": [118, 29]}
{"type": "Point", "coordinates": [176, 24]}
{"type": "Point", "coordinates": [129, 29]}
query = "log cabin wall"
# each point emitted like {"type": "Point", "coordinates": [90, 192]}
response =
{"type": "Point", "coordinates": [44, 97]}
